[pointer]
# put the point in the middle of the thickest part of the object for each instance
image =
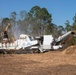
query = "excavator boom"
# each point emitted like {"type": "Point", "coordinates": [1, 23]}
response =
{"type": "Point", "coordinates": [6, 29]}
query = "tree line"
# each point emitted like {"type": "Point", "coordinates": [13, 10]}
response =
{"type": "Point", "coordinates": [36, 22]}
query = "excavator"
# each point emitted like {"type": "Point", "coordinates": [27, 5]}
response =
{"type": "Point", "coordinates": [9, 44]}
{"type": "Point", "coordinates": [42, 43]}
{"type": "Point", "coordinates": [5, 35]}
{"type": "Point", "coordinates": [6, 38]}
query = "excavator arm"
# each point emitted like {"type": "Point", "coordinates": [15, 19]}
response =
{"type": "Point", "coordinates": [6, 29]}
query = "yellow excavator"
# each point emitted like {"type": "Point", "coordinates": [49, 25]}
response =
{"type": "Point", "coordinates": [6, 28]}
{"type": "Point", "coordinates": [5, 35]}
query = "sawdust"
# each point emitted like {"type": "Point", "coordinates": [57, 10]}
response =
{"type": "Point", "coordinates": [70, 50]}
{"type": "Point", "coordinates": [49, 63]}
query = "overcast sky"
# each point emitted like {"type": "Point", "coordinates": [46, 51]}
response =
{"type": "Point", "coordinates": [61, 10]}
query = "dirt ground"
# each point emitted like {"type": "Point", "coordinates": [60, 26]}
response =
{"type": "Point", "coordinates": [48, 63]}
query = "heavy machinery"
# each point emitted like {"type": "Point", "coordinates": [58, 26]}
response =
{"type": "Point", "coordinates": [24, 42]}
{"type": "Point", "coordinates": [5, 33]}
{"type": "Point", "coordinates": [48, 42]}
{"type": "Point", "coordinates": [27, 42]}
{"type": "Point", "coordinates": [5, 38]}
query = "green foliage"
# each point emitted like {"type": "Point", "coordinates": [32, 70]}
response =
{"type": "Point", "coordinates": [74, 23]}
{"type": "Point", "coordinates": [40, 19]}
{"type": "Point", "coordinates": [60, 30]}
{"type": "Point", "coordinates": [68, 26]}
{"type": "Point", "coordinates": [13, 16]}
{"type": "Point", "coordinates": [71, 27]}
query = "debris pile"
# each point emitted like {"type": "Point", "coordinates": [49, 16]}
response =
{"type": "Point", "coordinates": [70, 50]}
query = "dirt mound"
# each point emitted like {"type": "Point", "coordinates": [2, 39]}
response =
{"type": "Point", "coordinates": [70, 50]}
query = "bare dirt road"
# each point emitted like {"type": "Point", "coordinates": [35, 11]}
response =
{"type": "Point", "coordinates": [49, 63]}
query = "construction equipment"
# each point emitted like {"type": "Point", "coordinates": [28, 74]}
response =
{"type": "Point", "coordinates": [6, 37]}
{"type": "Point", "coordinates": [42, 43]}
{"type": "Point", "coordinates": [24, 42]}
{"type": "Point", "coordinates": [5, 33]}
{"type": "Point", "coordinates": [65, 36]}
{"type": "Point", "coordinates": [6, 28]}
{"type": "Point", "coordinates": [47, 42]}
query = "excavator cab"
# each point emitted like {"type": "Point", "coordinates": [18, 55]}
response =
{"type": "Point", "coordinates": [5, 31]}
{"type": "Point", "coordinates": [5, 34]}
